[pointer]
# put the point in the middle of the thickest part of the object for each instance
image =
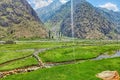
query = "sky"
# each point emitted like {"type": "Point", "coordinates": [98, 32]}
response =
{"type": "Point", "coordinates": [108, 4]}
{"type": "Point", "coordinates": [42, 3]}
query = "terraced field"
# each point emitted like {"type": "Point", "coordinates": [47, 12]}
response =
{"type": "Point", "coordinates": [63, 60]}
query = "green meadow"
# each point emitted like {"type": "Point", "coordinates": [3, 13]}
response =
{"type": "Point", "coordinates": [63, 51]}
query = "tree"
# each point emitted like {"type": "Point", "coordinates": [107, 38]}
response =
{"type": "Point", "coordinates": [49, 33]}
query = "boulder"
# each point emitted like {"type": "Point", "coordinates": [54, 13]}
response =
{"type": "Point", "coordinates": [108, 75]}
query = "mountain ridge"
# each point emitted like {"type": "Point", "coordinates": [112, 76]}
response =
{"type": "Point", "coordinates": [45, 13]}
{"type": "Point", "coordinates": [87, 22]}
{"type": "Point", "coordinates": [105, 27]}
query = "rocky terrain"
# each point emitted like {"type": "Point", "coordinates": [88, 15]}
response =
{"type": "Point", "coordinates": [19, 20]}
{"type": "Point", "coordinates": [89, 22]}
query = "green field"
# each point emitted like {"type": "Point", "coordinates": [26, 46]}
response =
{"type": "Point", "coordinates": [80, 52]}
{"type": "Point", "coordinates": [80, 71]}
{"type": "Point", "coordinates": [63, 51]}
{"type": "Point", "coordinates": [18, 64]}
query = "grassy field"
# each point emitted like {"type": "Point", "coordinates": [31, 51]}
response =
{"type": "Point", "coordinates": [80, 52]}
{"type": "Point", "coordinates": [19, 63]}
{"type": "Point", "coordinates": [66, 51]}
{"type": "Point", "coordinates": [78, 71]}
{"type": "Point", "coordinates": [21, 49]}
{"type": "Point", "coordinates": [10, 55]}
{"type": "Point", "coordinates": [32, 45]}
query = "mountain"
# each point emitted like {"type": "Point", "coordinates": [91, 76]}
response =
{"type": "Point", "coordinates": [112, 16]}
{"type": "Point", "coordinates": [45, 13]}
{"type": "Point", "coordinates": [89, 22]}
{"type": "Point", "coordinates": [54, 21]}
{"type": "Point", "coordinates": [19, 20]}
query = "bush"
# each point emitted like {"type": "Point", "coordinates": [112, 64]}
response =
{"type": "Point", "coordinates": [10, 42]}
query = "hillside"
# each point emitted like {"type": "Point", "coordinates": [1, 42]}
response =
{"type": "Point", "coordinates": [19, 20]}
{"type": "Point", "coordinates": [112, 16]}
{"type": "Point", "coordinates": [46, 12]}
{"type": "Point", "coordinates": [53, 23]}
{"type": "Point", "coordinates": [88, 23]}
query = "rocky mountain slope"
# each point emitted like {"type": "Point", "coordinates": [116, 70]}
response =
{"type": "Point", "coordinates": [46, 12]}
{"type": "Point", "coordinates": [19, 20]}
{"type": "Point", "coordinates": [112, 16]}
{"type": "Point", "coordinates": [89, 22]}
{"type": "Point", "coordinates": [54, 21]}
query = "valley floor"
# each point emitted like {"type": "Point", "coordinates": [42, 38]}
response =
{"type": "Point", "coordinates": [58, 60]}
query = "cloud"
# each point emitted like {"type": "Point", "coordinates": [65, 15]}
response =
{"type": "Point", "coordinates": [110, 6]}
{"type": "Point", "coordinates": [39, 3]}
{"type": "Point", "coordinates": [42, 3]}
{"type": "Point", "coordinates": [63, 1]}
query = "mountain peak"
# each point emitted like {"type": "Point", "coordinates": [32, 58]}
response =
{"type": "Point", "coordinates": [45, 12]}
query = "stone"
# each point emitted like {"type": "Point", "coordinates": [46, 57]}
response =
{"type": "Point", "coordinates": [108, 75]}
{"type": "Point", "coordinates": [1, 75]}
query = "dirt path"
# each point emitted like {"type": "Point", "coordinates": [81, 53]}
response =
{"type": "Point", "coordinates": [32, 67]}
{"type": "Point", "coordinates": [36, 56]}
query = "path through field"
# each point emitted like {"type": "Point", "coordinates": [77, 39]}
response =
{"type": "Point", "coordinates": [47, 64]}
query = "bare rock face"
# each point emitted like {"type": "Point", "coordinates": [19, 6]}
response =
{"type": "Point", "coordinates": [108, 75]}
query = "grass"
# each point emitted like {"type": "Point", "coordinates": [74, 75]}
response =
{"type": "Point", "coordinates": [21, 49]}
{"type": "Point", "coordinates": [19, 63]}
{"type": "Point", "coordinates": [32, 45]}
{"type": "Point", "coordinates": [81, 71]}
{"type": "Point", "coordinates": [80, 52]}
{"type": "Point", "coordinates": [10, 55]}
